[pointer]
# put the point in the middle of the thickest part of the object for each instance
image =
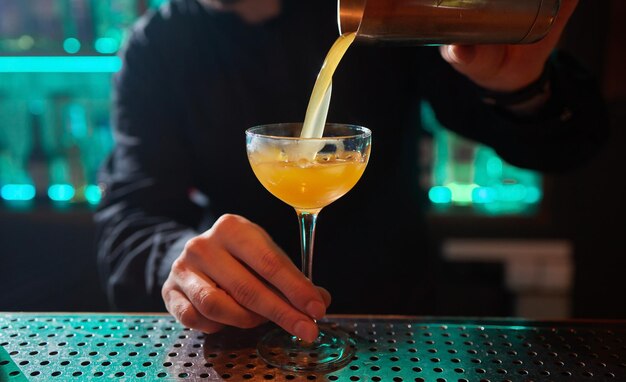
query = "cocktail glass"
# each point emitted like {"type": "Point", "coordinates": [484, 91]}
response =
{"type": "Point", "coordinates": [308, 174]}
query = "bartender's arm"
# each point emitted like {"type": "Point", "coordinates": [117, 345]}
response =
{"type": "Point", "coordinates": [535, 105]}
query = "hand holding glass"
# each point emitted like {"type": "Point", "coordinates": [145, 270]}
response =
{"type": "Point", "coordinates": [308, 174]}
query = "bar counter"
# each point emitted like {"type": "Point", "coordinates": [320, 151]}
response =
{"type": "Point", "coordinates": [154, 347]}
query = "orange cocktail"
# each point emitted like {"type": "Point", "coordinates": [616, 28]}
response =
{"type": "Point", "coordinates": [309, 184]}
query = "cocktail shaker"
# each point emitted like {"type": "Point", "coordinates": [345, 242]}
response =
{"type": "Point", "coordinates": [434, 22]}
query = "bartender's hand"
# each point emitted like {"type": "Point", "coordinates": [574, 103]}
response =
{"type": "Point", "coordinates": [507, 68]}
{"type": "Point", "coordinates": [234, 274]}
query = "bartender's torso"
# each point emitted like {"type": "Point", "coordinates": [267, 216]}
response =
{"type": "Point", "coordinates": [229, 76]}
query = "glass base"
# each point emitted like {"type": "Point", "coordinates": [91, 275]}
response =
{"type": "Point", "coordinates": [331, 350]}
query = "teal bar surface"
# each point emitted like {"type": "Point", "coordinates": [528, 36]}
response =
{"type": "Point", "coordinates": [153, 347]}
{"type": "Point", "coordinates": [9, 370]}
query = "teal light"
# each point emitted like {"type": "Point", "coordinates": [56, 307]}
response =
{"type": "Point", "coordinates": [61, 192]}
{"type": "Point", "coordinates": [71, 45]}
{"type": "Point", "coordinates": [482, 195]}
{"type": "Point", "coordinates": [93, 194]}
{"type": "Point", "coordinates": [517, 327]}
{"type": "Point", "coordinates": [106, 45]}
{"type": "Point", "coordinates": [156, 3]}
{"type": "Point", "coordinates": [512, 192]}
{"type": "Point", "coordinates": [440, 195]}
{"type": "Point", "coordinates": [494, 167]}
{"type": "Point", "coordinates": [78, 120]}
{"type": "Point", "coordinates": [17, 192]}
{"type": "Point", "coordinates": [533, 195]}
{"type": "Point", "coordinates": [48, 64]}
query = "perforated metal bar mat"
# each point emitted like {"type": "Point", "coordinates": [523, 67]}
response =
{"type": "Point", "coordinates": [59, 347]}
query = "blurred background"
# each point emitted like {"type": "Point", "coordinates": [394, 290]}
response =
{"type": "Point", "coordinates": [514, 242]}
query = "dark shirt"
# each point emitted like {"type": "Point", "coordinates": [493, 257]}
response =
{"type": "Point", "coordinates": [193, 80]}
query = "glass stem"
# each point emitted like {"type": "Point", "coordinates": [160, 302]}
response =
{"type": "Point", "coordinates": [307, 221]}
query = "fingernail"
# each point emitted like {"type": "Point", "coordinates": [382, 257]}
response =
{"type": "Point", "coordinates": [305, 330]}
{"type": "Point", "coordinates": [315, 309]}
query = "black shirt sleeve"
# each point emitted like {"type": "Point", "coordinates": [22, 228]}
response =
{"type": "Point", "coordinates": [146, 209]}
{"type": "Point", "coordinates": [571, 128]}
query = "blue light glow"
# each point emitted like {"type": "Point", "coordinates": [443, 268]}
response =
{"type": "Point", "coordinates": [71, 45]}
{"type": "Point", "coordinates": [17, 192]}
{"type": "Point", "coordinates": [61, 192]}
{"type": "Point", "coordinates": [512, 192]}
{"type": "Point", "coordinates": [483, 195]}
{"type": "Point", "coordinates": [106, 45]}
{"type": "Point", "coordinates": [440, 195]}
{"type": "Point", "coordinates": [78, 120]}
{"type": "Point", "coordinates": [533, 195]}
{"type": "Point", "coordinates": [494, 167]}
{"type": "Point", "coordinates": [93, 194]}
{"type": "Point", "coordinates": [517, 327]}
{"type": "Point", "coordinates": [49, 64]}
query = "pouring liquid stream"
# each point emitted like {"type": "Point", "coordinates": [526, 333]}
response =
{"type": "Point", "coordinates": [317, 110]}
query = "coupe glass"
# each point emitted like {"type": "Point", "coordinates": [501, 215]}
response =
{"type": "Point", "coordinates": [308, 174]}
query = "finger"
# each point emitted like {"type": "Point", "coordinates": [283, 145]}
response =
{"type": "Point", "coordinates": [475, 61]}
{"type": "Point", "coordinates": [255, 249]}
{"type": "Point", "coordinates": [251, 293]}
{"type": "Point", "coordinates": [325, 296]}
{"type": "Point", "coordinates": [215, 304]}
{"type": "Point", "coordinates": [183, 310]}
